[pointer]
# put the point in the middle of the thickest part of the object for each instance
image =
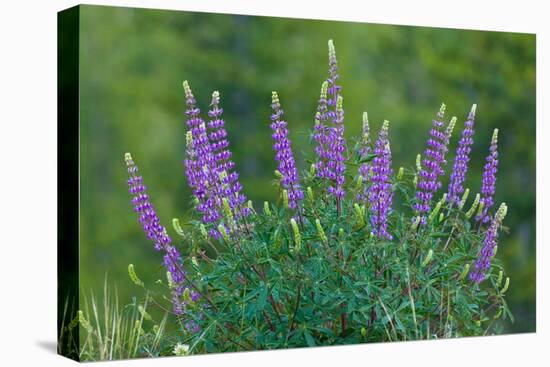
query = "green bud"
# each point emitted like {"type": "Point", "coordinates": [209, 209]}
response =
{"type": "Point", "coordinates": [473, 208]}
{"type": "Point", "coordinates": [278, 174]}
{"type": "Point", "coordinates": [435, 211]}
{"type": "Point", "coordinates": [249, 205]}
{"type": "Point", "coordinates": [194, 261]}
{"type": "Point", "coordinates": [366, 128]}
{"type": "Point", "coordinates": [478, 323]}
{"type": "Point", "coordinates": [427, 259]}
{"type": "Point", "coordinates": [473, 110]}
{"type": "Point", "coordinates": [441, 217]}
{"type": "Point", "coordinates": [285, 199]}
{"type": "Point", "coordinates": [223, 232]}
{"type": "Point", "coordinates": [418, 163]}
{"type": "Point", "coordinates": [267, 211]}
{"type": "Point", "coordinates": [84, 323]}
{"type": "Point", "coordinates": [494, 139]}
{"type": "Point", "coordinates": [309, 193]}
{"type": "Point", "coordinates": [312, 169]}
{"type": "Point", "coordinates": [464, 198]}
{"type": "Point", "coordinates": [320, 231]}
{"type": "Point", "coordinates": [359, 214]}
{"type": "Point", "coordinates": [506, 286]}
{"type": "Point", "coordinates": [359, 181]}
{"type": "Point", "coordinates": [363, 332]}
{"type": "Point", "coordinates": [189, 139]}
{"type": "Point", "coordinates": [415, 180]}
{"type": "Point", "coordinates": [501, 212]}
{"type": "Point", "coordinates": [465, 271]}
{"type": "Point", "coordinates": [415, 223]}
{"type": "Point", "coordinates": [341, 233]}
{"type": "Point", "coordinates": [499, 279]}
{"type": "Point", "coordinates": [177, 226]}
{"type": "Point", "coordinates": [339, 103]}
{"type": "Point", "coordinates": [442, 109]}
{"type": "Point", "coordinates": [480, 208]}
{"type": "Point", "coordinates": [133, 276]}
{"type": "Point", "coordinates": [400, 173]}
{"type": "Point", "coordinates": [450, 127]}
{"type": "Point", "coordinates": [297, 236]}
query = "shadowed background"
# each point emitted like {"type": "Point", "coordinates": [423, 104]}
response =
{"type": "Point", "coordinates": [132, 63]}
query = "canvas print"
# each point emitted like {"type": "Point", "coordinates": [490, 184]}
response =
{"type": "Point", "coordinates": [233, 183]}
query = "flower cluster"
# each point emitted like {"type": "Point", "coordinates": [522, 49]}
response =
{"type": "Point", "coordinates": [284, 155]}
{"type": "Point", "coordinates": [155, 232]}
{"type": "Point", "coordinates": [462, 158]}
{"type": "Point", "coordinates": [483, 262]}
{"type": "Point", "coordinates": [208, 166]}
{"type": "Point", "coordinates": [331, 144]}
{"type": "Point", "coordinates": [489, 180]}
{"type": "Point", "coordinates": [380, 194]}
{"type": "Point", "coordinates": [432, 166]}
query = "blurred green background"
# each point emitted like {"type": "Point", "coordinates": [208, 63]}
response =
{"type": "Point", "coordinates": [132, 64]}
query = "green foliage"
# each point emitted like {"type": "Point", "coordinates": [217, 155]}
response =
{"type": "Point", "coordinates": [319, 277]}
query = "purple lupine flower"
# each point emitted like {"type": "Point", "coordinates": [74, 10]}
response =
{"type": "Point", "coordinates": [155, 232]}
{"type": "Point", "coordinates": [489, 180]}
{"type": "Point", "coordinates": [483, 262]}
{"type": "Point", "coordinates": [230, 187]}
{"type": "Point", "coordinates": [200, 164]}
{"type": "Point", "coordinates": [432, 166]}
{"type": "Point", "coordinates": [337, 147]}
{"type": "Point", "coordinates": [380, 194]}
{"type": "Point", "coordinates": [462, 158]}
{"type": "Point", "coordinates": [331, 144]}
{"type": "Point", "coordinates": [320, 134]}
{"type": "Point", "coordinates": [284, 155]}
{"type": "Point", "coordinates": [364, 151]}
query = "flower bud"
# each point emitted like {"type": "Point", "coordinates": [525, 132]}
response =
{"type": "Point", "coordinates": [312, 169]}
{"type": "Point", "coordinates": [297, 236]}
{"type": "Point", "coordinates": [400, 173]}
{"type": "Point", "coordinates": [177, 227]}
{"type": "Point", "coordinates": [427, 259]}
{"type": "Point", "coordinates": [499, 279]}
{"type": "Point", "coordinates": [359, 214]}
{"type": "Point", "coordinates": [285, 199]}
{"type": "Point", "coordinates": [465, 272]}
{"type": "Point", "coordinates": [418, 164]}
{"type": "Point", "coordinates": [309, 193]}
{"type": "Point", "coordinates": [267, 211]}
{"type": "Point", "coordinates": [320, 231]}
{"type": "Point", "coordinates": [473, 208]}
{"type": "Point", "coordinates": [506, 286]}
{"type": "Point", "coordinates": [464, 198]}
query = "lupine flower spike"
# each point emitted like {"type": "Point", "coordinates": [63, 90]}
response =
{"type": "Point", "coordinates": [200, 163]}
{"type": "Point", "coordinates": [489, 180]}
{"type": "Point", "coordinates": [284, 155]}
{"type": "Point", "coordinates": [462, 158]}
{"type": "Point", "coordinates": [155, 232]}
{"type": "Point", "coordinates": [380, 193]}
{"type": "Point", "coordinates": [230, 186]}
{"type": "Point", "coordinates": [364, 151]}
{"type": "Point", "coordinates": [483, 262]}
{"type": "Point", "coordinates": [432, 167]}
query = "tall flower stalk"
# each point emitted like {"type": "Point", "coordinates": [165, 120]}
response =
{"type": "Point", "coordinates": [432, 167]}
{"type": "Point", "coordinates": [364, 150]}
{"type": "Point", "coordinates": [155, 232]}
{"type": "Point", "coordinates": [230, 187]}
{"type": "Point", "coordinates": [483, 262]}
{"type": "Point", "coordinates": [462, 158]}
{"type": "Point", "coordinates": [331, 144]}
{"type": "Point", "coordinates": [284, 155]}
{"type": "Point", "coordinates": [200, 163]}
{"type": "Point", "coordinates": [489, 180]}
{"type": "Point", "coordinates": [380, 194]}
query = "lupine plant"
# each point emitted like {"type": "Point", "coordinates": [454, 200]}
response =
{"type": "Point", "coordinates": [352, 250]}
